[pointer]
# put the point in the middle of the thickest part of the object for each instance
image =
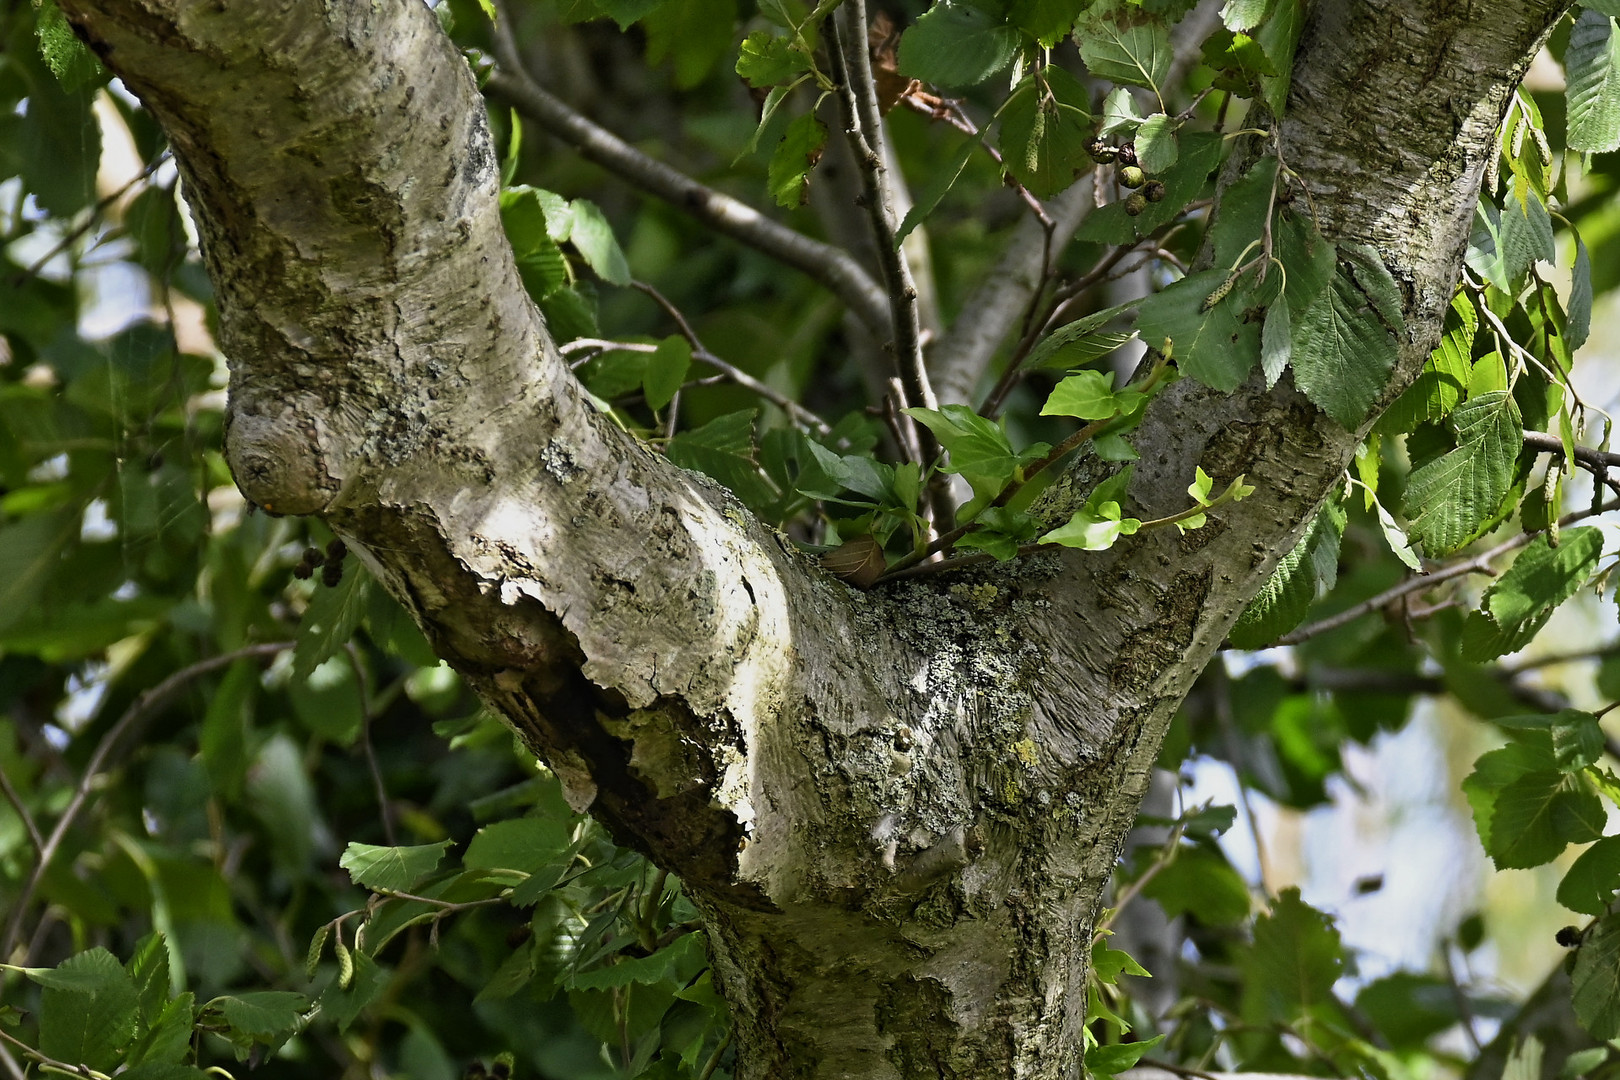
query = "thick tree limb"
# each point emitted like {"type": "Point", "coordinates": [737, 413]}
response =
{"type": "Point", "coordinates": [899, 809]}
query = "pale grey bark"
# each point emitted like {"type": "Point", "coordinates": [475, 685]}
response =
{"type": "Point", "coordinates": [898, 809]}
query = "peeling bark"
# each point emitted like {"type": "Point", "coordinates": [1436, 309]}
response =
{"type": "Point", "coordinates": [899, 809]}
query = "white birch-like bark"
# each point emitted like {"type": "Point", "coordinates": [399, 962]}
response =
{"type": "Point", "coordinates": [897, 809]}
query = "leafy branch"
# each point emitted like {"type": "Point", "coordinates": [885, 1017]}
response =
{"type": "Point", "coordinates": [1477, 564]}
{"type": "Point", "coordinates": [833, 267]}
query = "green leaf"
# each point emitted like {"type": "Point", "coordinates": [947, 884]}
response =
{"type": "Point", "coordinates": [979, 449]}
{"type": "Point", "coordinates": [396, 868]}
{"type": "Point", "coordinates": [1107, 1060]}
{"type": "Point", "coordinates": [226, 727]}
{"type": "Point", "coordinates": [1592, 90]}
{"type": "Point", "coordinates": [939, 183]}
{"type": "Point", "coordinates": [1596, 980]}
{"type": "Point", "coordinates": [1591, 880]}
{"type": "Point", "coordinates": [87, 1010]}
{"type": "Point", "coordinates": [31, 550]}
{"type": "Point", "coordinates": [795, 155]}
{"type": "Point", "coordinates": [1276, 346]}
{"type": "Point", "coordinates": [1240, 62]}
{"type": "Point", "coordinates": [1047, 21]}
{"type": "Point", "coordinates": [1283, 600]}
{"type": "Point", "coordinates": [1216, 346]}
{"type": "Point", "coordinates": [1086, 394]}
{"type": "Point", "coordinates": [1445, 375]}
{"type": "Point", "coordinates": [1245, 14]}
{"type": "Point", "coordinates": [666, 370]}
{"type": "Point", "coordinates": [1396, 538]}
{"type": "Point", "coordinates": [1449, 498]}
{"type": "Point", "coordinates": [694, 34]}
{"type": "Point", "coordinates": [166, 1039]}
{"type": "Point", "coordinates": [523, 844]}
{"type": "Point", "coordinates": [1524, 830]}
{"type": "Point", "coordinates": [263, 1015]}
{"type": "Point", "coordinates": [593, 237]}
{"type": "Point", "coordinates": [1051, 351]}
{"type": "Point", "coordinates": [342, 1004]}
{"type": "Point", "coordinates": [1045, 129]}
{"type": "Point", "coordinates": [148, 969]}
{"type": "Point", "coordinates": [1518, 603]}
{"type": "Point", "coordinates": [724, 449]}
{"type": "Point", "coordinates": [1342, 351]}
{"type": "Point", "coordinates": [1095, 526]}
{"type": "Point", "coordinates": [1201, 882]}
{"type": "Point", "coordinates": [956, 43]}
{"type": "Point", "coordinates": [69, 59]}
{"type": "Point", "coordinates": [1293, 963]}
{"type": "Point", "coordinates": [1242, 221]}
{"type": "Point", "coordinates": [1135, 55]}
{"type": "Point", "coordinates": [1119, 112]}
{"type": "Point", "coordinates": [767, 59]}
{"type": "Point", "coordinates": [1078, 351]}
{"type": "Point", "coordinates": [623, 12]}
{"type": "Point", "coordinates": [1109, 964]}
{"type": "Point", "coordinates": [1278, 36]}
{"type": "Point", "coordinates": [330, 620]}
{"type": "Point", "coordinates": [1580, 296]}
{"type": "Point", "coordinates": [684, 951]}
{"type": "Point", "coordinates": [1506, 242]}
{"type": "Point", "coordinates": [1156, 146]}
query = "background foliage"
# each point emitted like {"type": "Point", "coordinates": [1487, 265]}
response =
{"type": "Point", "coordinates": [248, 816]}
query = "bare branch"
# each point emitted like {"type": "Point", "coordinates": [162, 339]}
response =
{"type": "Point", "coordinates": [863, 125]}
{"type": "Point", "coordinates": [835, 269]}
{"type": "Point", "coordinates": [857, 99]}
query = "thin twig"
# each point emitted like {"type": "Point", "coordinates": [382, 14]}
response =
{"type": "Point", "coordinates": [1478, 564]}
{"type": "Point", "coordinates": [797, 412]}
{"type": "Point", "coordinates": [1055, 316]}
{"type": "Point", "coordinates": [13, 1070]}
{"type": "Point", "coordinates": [1465, 1013]}
{"type": "Point", "coordinates": [961, 357]}
{"type": "Point", "coordinates": [369, 752]}
{"type": "Point", "coordinates": [139, 710]}
{"type": "Point", "coordinates": [27, 818]}
{"type": "Point", "coordinates": [833, 267]}
{"type": "Point", "coordinates": [94, 215]}
{"type": "Point", "coordinates": [1553, 659]}
{"type": "Point", "coordinates": [714, 1059]}
{"type": "Point", "coordinates": [49, 1062]}
{"type": "Point", "coordinates": [1597, 462]}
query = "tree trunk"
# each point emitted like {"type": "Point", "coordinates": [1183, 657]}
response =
{"type": "Point", "coordinates": [898, 809]}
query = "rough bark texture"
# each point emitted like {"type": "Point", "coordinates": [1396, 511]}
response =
{"type": "Point", "coordinates": [900, 808]}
